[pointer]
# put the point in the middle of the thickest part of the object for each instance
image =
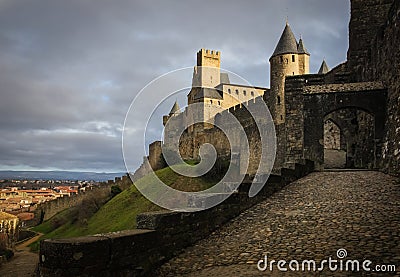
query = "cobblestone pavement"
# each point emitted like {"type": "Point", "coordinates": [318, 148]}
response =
{"type": "Point", "coordinates": [24, 262]}
{"type": "Point", "coordinates": [309, 219]}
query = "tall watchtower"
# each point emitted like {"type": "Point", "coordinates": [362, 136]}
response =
{"type": "Point", "coordinates": [207, 71]}
{"type": "Point", "coordinates": [289, 58]}
{"type": "Point", "coordinates": [206, 77]}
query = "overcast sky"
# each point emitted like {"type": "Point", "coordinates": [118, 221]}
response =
{"type": "Point", "coordinates": [69, 69]}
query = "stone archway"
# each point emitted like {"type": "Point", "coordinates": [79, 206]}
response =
{"type": "Point", "coordinates": [360, 117]}
{"type": "Point", "coordinates": [334, 153]}
{"type": "Point", "coordinates": [349, 139]}
{"type": "Point", "coordinates": [307, 106]}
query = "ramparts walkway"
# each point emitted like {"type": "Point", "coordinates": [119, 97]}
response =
{"type": "Point", "coordinates": [310, 219]}
{"type": "Point", "coordinates": [24, 262]}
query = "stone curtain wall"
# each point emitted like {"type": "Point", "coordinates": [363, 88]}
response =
{"type": "Point", "coordinates": [51, 208]}
{"type": "Point", "coordinates": [367, 17]}
{"type": "Point", "coordinates": [384, 65]}
{"type": "Point", "coordinates": [155, 156]}
{"type": "Point", "coordinates": [100, 194]}
{"type": "Point", "coordinates": [190, 143]}
{"type": "Point", "coordinates": [374, 55]}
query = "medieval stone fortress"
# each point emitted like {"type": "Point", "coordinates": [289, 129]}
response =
{"type": "Point", "coordinates": [346, 117]}
{"type": "Point", "coordinates": [216, 95]}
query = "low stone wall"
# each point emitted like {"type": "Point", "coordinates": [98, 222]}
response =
{"type": "Point", "coordinates": [160, 236]}
{"type": "Point", "coordinates": [102, 194]}
{"type": "Point", "coordinates": [51, 208]}
{"type": "Point", "coordinates": [24, 235]}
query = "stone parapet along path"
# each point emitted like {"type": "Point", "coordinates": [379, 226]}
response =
{"type": "Point", "coordinates": [310, 219]}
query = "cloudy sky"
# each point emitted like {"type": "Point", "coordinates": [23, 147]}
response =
{"type": "Point", "coordinates": [70, 69]}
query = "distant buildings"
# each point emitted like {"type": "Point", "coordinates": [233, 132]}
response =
{"type": "Point", "coordinates": [21, 197]}
{"type": "Point", "coordinates": [8, 230]}
{"type": "Point", "coordinates": [16, 199]}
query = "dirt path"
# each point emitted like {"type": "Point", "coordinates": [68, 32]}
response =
{"type": "Point", "coordinates": [23, 263]}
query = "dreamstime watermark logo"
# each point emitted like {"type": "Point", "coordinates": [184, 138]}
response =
{"type": "Point", "coordinates": [338, 263]}
{"type": "Point", "coordinates": [150, 104]}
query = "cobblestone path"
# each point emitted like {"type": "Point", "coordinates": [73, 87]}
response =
{"type": "Point", "coordinates": [310, 219]}
{"type": "Point", "coordinates": [24, 262]}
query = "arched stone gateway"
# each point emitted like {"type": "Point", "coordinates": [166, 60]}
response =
{"type": "Point", "coordinates": [349, 140]}
{"type": "Point", "coordinates": [357, 109]}
{"type": "Point", "coordinates": [334, 153]}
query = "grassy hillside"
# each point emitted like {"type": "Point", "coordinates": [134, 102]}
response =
{"type": "Point", "coordinates": [120, 212]}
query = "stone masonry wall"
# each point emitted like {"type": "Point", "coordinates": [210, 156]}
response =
{"type": "Point", "coordinates": [332, 135]}
{"type": "Point", "coordinates": [155, 155]}
{"type": "Point", "coordinates": [374, 56]}
{"type": "Point", "coordinates": [310, 98]}
{"type": "Point", "coordinates": [294, 125]}
{"type": "Point", "coordinates": [48, 209]}
{"type": "Point", "coordinates": [384, 65]}
{"type": "Point", "coordinates": [356, 129]}
{"type": "Point", "coordinates": [367, 16]}
{"type": "Point", "coordinates": [189, 144]}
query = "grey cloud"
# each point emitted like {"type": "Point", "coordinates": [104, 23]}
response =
{"type": "Point", "coordinates": [76, 65]}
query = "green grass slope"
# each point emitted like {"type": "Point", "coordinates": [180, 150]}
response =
{"type": "Point", "coordinates": [120, 212]}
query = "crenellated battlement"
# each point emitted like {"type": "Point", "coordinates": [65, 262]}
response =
{"type": "Point", "coordinates": [211, 58]}
{"type": "Point", "coordinates": [208, 52]}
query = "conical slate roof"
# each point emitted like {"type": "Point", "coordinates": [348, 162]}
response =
{"type": "Point", "coordinates": [287, 43]}
{"type": "Point", "coordinates": [301, 49]}
{"type": "Point", "coordinates": [324, 68]}
{"type": "Point", "coordinates": [175, 109]}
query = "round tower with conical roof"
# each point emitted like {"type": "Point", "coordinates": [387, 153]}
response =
{"type": "Point", "coordinates": [289, 58]}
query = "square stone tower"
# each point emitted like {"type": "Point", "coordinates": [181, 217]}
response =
{"type": "Point", "coordinates": [207, 71]}
{"type": "Point", "coordinates": [206, 77]}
